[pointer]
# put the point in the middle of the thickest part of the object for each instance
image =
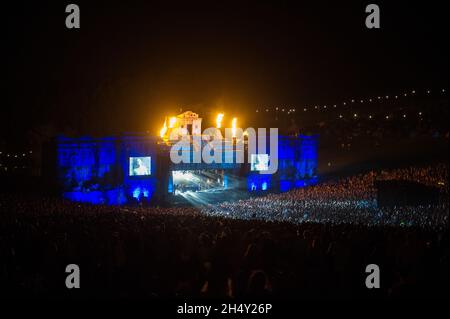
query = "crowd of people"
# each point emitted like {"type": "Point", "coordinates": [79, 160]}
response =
{"type": "Point", "coordinates": [351, 200]}
{"type": "Point", "coordinates": [307, 243]}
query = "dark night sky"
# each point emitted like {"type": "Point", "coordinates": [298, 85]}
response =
{"type": "Point", "coordinates": [131, 64]}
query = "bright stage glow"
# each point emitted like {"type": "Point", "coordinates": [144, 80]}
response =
{"type": "Point", "coordinates": [138, 192]}
{"type": "Point", "coordinates": [259, 162]}
{"type": "Point", "coordinates": [140, 166]}
{"type": "Point", "coordinates": [163, 131]}
{"type": "Point", "coordinates": [172, 121]}
{"type": "Point", "coordinates": [233, 127]}
{"type": "Point", "coordinates": [219, 120]}
{"type": "Point", "coordinates": [198, 181]}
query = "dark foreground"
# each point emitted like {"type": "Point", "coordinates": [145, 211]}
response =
{"type": "Point", "coordinates": [154, 253]}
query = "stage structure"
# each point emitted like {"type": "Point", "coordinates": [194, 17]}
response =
{"type": "Point", "coordinates": [132, 168]}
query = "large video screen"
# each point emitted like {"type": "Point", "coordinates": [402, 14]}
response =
{"type": "Point", "coordinates": [259, 162]}
{"type": "Point", "coordinates": [140, 166]}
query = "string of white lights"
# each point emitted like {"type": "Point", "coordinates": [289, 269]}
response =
{"type": "Point", "coordinates": [290, 110]}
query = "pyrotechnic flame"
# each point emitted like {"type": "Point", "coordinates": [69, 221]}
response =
{"type": "Point", "coordinates": [163, 131]}
{"type": "Point", "coordinates": [219, 120]}
{"type": "Point", "coordinates": [172, 121]}
{"type": "Point", "coordinates": [233, 127]}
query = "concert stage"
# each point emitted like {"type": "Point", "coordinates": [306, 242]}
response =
{"type": "Point", "coordinates": [137, 168]}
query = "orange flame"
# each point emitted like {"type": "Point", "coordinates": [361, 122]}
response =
{"type": "Point", "coordinates": [172, 121]}
{"type": "Point", "coordinates": [163, 131]}
{"type": "Point", "coordinates": [233, 127]}
{"type": "Point", "coordinates": [219, 120]}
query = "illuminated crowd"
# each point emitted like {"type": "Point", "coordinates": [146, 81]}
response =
{"type": "Point", "coordinates": [351, 200]}
{"type": "Point", "coordinates": [201, 252]}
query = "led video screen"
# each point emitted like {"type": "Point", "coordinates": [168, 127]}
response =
{"type": "Point", "coordinates": [140, 166]}
{"type": "Point", "coordinates": [259, 162]}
